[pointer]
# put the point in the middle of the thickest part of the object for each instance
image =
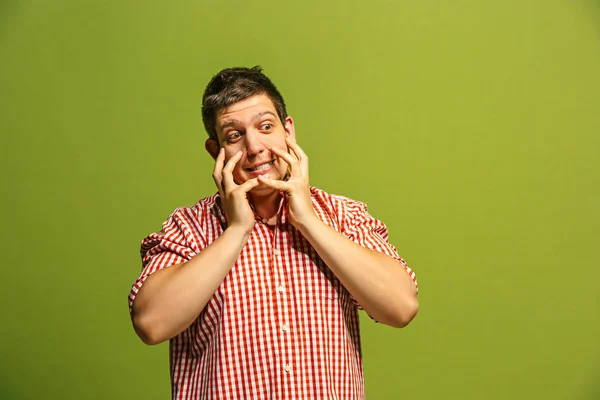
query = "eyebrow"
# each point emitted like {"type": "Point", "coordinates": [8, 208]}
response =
{"type": "Point", "coordinates": [260, 114]}
{"type": "Point", "coordinates": [231, 122]}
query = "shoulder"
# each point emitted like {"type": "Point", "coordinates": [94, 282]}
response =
{"type": "Point", "coordinates": [336, 210]}
{"type": "Point", "coordinates": [198, 212]}
{"type": "Point", "coordinates": [207, 203]}
{"type": "Point", "coordinates": [335, 201]}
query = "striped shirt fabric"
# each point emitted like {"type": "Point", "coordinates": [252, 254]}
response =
{"type": "Point", "coordinates": [280, 325]}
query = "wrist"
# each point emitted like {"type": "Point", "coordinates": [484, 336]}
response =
{"type": "Point", "coordinates": [308, 225]}
{"type": "Point", "coordinates": [239, 232]}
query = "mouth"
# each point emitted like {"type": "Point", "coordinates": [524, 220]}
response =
{"type": "Point", "coordinates": [261, 167]}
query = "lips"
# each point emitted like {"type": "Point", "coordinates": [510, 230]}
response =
{"type": "Point", "coordinates": [261, 167]}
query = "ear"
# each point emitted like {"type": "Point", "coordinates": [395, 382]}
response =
{"type": "Point", "coordinates": [289, 128]}
{"type": "Point", "coordinates": [212, 147]}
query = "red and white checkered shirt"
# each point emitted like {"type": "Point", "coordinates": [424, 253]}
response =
{"type": "Point", "coordinates": [280, 325]}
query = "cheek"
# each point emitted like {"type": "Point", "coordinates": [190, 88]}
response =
{"type": "Point", "coordinates": [237, 169]}
{"type": "Point", "coordinates": [274, 139]}
{"type": "Point", "coordinates": [238, 176]}
{"type": "Point", "coordinates": [279, 141]}
{"type": "Point", "coordinates": [282, 167]}
{"type": "Point", "coordinates": [230, 151]}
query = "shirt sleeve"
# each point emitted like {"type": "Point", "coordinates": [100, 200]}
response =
{"type": "Point", "coordinates": [172, 245]}
{"type": "Point", "coordinates": [363, 229]}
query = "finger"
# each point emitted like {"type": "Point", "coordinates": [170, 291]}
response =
{"type": "Point", "coordinates": [302, 157]}
{"type": "Point", "coordinates": [275, 184]}
{"type": "Point", "coordinates": [219, 162]}
{"type": "Point", "coordinates": [249, 185]}
{"type": "Point", "coordinates": [227, 173]}
{"type": "Point", "coordinates": [288, 158]}
{"type": "Point", "coordinates": [297, 149]}
{"type": "Point", "coordinates": [291, 151]}
{"type": "Point", "coordinates": [217, 171]}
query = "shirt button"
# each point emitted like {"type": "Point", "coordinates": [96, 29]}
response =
{"type": "Point", "coordinates": [281, 289]}
{"type": "Point", "coordinates": [276, 252]}
{"type": "Point", "coordinates": [287, 368]}
{"type": "Point", "coordinates": [284, 327]}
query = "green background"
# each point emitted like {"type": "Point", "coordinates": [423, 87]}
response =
{"type": "Point", "coordinates": [472, 128]}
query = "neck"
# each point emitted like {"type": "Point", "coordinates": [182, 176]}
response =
{"type": "Point", "coordinates": [265, 205]}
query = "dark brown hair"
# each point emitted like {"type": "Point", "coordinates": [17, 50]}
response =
{"type": "Point", "coordinates": [235, 84]}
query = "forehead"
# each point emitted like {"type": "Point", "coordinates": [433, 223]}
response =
{"type": "Point", "coordinates": [245, 109]}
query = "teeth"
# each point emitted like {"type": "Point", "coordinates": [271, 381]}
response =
{"type": "Point", "coordinates": [262, 166]}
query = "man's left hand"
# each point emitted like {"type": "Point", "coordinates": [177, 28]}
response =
{"type": "Point", "coordinates": [296, 188]}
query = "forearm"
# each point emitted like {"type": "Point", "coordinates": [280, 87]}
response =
{"type": "Point", "coordinates": [172, 298]}
{"type": "Point", "coordinates": [378, 282]}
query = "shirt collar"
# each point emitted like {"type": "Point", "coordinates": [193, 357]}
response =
{"type": "Point", "coordinates": [280, 216]}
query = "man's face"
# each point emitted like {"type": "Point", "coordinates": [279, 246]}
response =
{"type": "Point", "coordinates": [252, 126]}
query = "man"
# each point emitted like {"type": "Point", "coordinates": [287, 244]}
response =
{"type": "Point", "coordinates": [257, 287]}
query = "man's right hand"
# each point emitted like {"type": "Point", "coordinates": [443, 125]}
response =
{"type": "Point", "coordinates": [234, 198]}
{"type": "Point", "coordinates": [189, 286]}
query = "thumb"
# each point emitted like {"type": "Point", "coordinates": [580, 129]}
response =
{"type": "Point", "coordinates": [249, 185]}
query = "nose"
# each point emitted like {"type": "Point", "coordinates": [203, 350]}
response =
{"type": "Point", "coordinates": [254, 144]}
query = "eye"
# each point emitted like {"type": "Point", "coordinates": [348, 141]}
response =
{"type": "Point", "coordinates": [266, 126]}
{"type": "Point", "coordinates": [233, 136]}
